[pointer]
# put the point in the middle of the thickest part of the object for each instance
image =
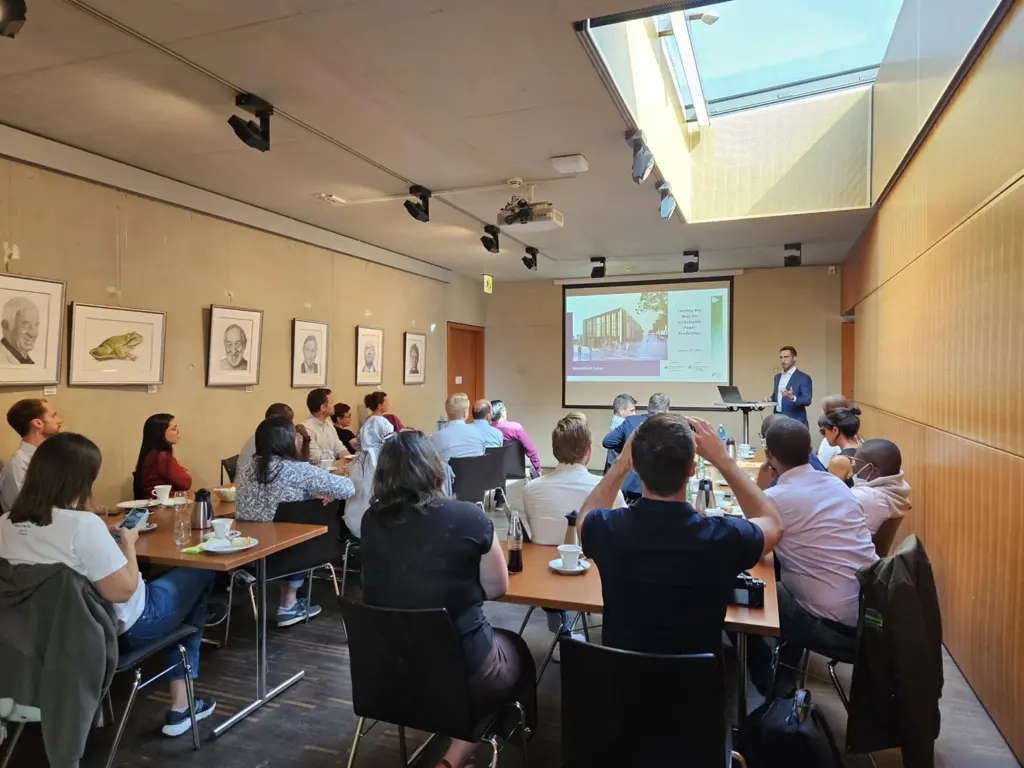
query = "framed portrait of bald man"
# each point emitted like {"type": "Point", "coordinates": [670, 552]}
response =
{"type": "Point", "coordinates": [309, 354]}
{"type": "Point", "coordinates": [369, 356]}
{"type": "Point", "coordinates": [235, 338]}
{"type": "Point", "coordinates": [31, 330]}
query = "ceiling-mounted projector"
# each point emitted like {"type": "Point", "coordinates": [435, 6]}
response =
{"type": "Point", "coordinates": [524, 216]}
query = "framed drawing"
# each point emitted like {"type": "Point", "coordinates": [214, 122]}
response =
{"type": "Point", "coordinates": [116, 346]}
{"type": "Point", "coordinates": [369, 356]}
{"type": "Point", "coordinates": [309, 353]}
{"type": "Point", "coordinates": [415, 368]}
{"type": "Point", "coordinates": [235, 338]}
{"type": "Point", "coordinates": [32, 327]}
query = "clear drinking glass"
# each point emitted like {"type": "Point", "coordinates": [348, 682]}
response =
{"type": "Point", "coordinates": [182, 526]}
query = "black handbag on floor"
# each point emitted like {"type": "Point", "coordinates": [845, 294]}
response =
{"type": "Point", "coordinates": [789, 731]}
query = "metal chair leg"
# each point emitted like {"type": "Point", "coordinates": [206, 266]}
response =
{"type": "Point", "coordinates": [252, 601]}
{"type": "Point", "coordinates": [227, 621]}
{"type": "Point", "coordinates": [770, 690]}
{"type": "Point", "coordinates": [494, 751]}
{"type": "Point", "coordinates": [12, 744]}
{"type": "Point", "coordinates": [309, 594]}
{"type": "Point", "coordinates": [124, 718]}
{"type": "Point", "coordinates": [355, 742]}
{"type": "Point", "coordinates": [402, 748]}
{"type": "Point", "coordinates": [344, 567]}
{"type": "Point", "coordinates": [190, 694]}
{"type": "Point", "coordinates": [334, 578]}
{"type": "Point", "coordinates": [526, 620]}
{"type": "Point", "coordinates": [805, 662]}
{"type": "Point", "coordinates": [586, 629]}
{"type": "Point", "coordinates": [524, 733]}
{"type": "Point", "coordinates": [835, 681]}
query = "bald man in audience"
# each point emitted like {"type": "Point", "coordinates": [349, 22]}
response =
{"type": "Point", "coordinates": [482, 424]}
{"type": "Point", "coordinates": [878, 482]}
{"type": "Point", "coordinates": [282, 411]}
{"type": "Point", "coordinates": [458, 440]}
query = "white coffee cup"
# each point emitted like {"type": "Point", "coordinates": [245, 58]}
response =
{"type": "Point", "coordinates": [570, 555]}
{"type": "Point", "coordinates": [222, 527]}
{"type": "Point", "coordinates": [161, 493]}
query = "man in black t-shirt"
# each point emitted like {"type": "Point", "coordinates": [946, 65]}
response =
{"type": "Point", "coordinates": [667, 572]}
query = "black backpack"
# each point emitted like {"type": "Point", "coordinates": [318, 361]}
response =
{"type": "Point", "coordinates": [789, 731]}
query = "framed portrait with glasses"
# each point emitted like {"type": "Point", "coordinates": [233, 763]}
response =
{"type": "Point", "coordinates": [309, 353]}
{"type": "Point", "coordinates": [414, 371]}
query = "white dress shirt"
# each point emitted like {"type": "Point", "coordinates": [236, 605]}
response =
{"type": "Point", "coordinates": [324, 442]}
{"type": "Point", "coordinates": [13, 474]}
{"type": "Point", "coordinates": [826, 542]}
{"type": "Point", "coordinates": [548, 498]}
{"type": "Point", "coordinates": [783, 384]}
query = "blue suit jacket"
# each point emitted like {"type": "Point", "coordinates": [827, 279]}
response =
{"type": "Point", "coordinates": [616, 440]}
{"type": "Point", "coordinates": [800, 383]}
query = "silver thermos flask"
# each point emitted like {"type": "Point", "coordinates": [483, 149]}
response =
{"type": "Point", "coordinates": [202, 511]}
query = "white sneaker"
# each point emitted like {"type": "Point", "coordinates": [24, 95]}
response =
{"type": "Point", "coordinates": [557, 657]}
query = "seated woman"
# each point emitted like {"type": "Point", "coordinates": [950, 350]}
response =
{"type": "Point", "coordinates": [513, 430]}
{"type": "Point", "coordinates": [342, 420]}
{"type": "Point", "coordinates": [275, 475]}
{"type": "Point", "coordinates": [156, 464]}
{"type": "Point", "coordinates": [372, 434]}
{"type": "Point", "coordinates": [825, 451]}
{"type": "Point", "coordinates": [422, 550]}
{"type": "Point", "coordinates": [50, 523]}
{"type": "Point", "coordinates": [840, 428]}
{"type": "Point", "coordinates": [377, 404]}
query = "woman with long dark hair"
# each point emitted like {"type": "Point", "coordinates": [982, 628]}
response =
{"type": "Point", "coordinates": [50, 523]}
{"type": "Point", "coordinates": [840, 428]}
{"type": "Point", "coordinates": [156, 464]}
{"type": "Point", "coordinates": [421, 549]}
{"type": "Point", "coordinates": [275, 475]}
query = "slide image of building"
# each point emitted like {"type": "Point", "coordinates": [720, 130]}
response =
{"type": "Point", "coordinates": [616, 335]}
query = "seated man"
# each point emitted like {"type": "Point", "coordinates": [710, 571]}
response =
{"type": "Point", "coordinates": [276, 410]}
{"type": "Point", "coordinates": [622, 406]}
{"type": "Point", "coordinates": [482, 423]}
{"type": "Point", "coordinates": [878, 483]}
{"type": "Point", "coordinates": [658, 403]}
{"type": "Point", "coordinates": [667, 571]}
{"type": "Point", "coordinates": [458, 440]}
{"type": "Point", "coordinates": [766, 477]}
{"type": "Point", "coordinates": [34, 421]}
{"type": "Point", "coordinates": [827, 542]}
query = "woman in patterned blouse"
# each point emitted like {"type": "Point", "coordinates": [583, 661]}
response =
{"type": "Point", "coordinates": [275, 475]}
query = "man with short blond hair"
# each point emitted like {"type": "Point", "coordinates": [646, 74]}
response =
{"type": "Point", "coordinates": [458, 440]}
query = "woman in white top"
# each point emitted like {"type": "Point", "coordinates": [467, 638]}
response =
{"type": "Point", "coordinates": [372, 434]}
{"type": "Point", "coordinates": [50, 523]}
{"type": "Point", "coordinates": [826, 450]}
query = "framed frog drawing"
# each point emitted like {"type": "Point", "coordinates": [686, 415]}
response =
{"type": "Point", "coordinates": [115, 346]}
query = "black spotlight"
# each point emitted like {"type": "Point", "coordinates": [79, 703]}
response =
{"type": "Point", "coordinates": [598, 269]}
{"type": "Point", "coordinates": [490, 240]}
{"type": "Point", "coordinates": [251, 134]}
{"type": "Point", "coordinates": [530, 259]}
{"type": "Point", "coordinates": [13, 14]}
{"type": "Point", "coordinates": [643, 158]}
{"type": "Point", "coordinates": [692, 261]}
{"type": "Point", "coordinates": [421, 210]}
{"type": "Point", "coordinates": [794, 255]}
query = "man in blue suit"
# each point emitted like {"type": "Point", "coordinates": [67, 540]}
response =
{"type": "Point", "coordinates": [792, 392]}
{"type": "Point", "coordinates": [616, 439]}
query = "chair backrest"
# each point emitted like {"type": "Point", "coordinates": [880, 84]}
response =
{"type": "Point", "coordinates": [515, 459]}
{"type": "Point", "coordinates": [309, 554]}
{"type": "Point", "coordinates": [476, 475]}
{"type": "Point", "coordinates": [136, 486]}
{"type": "Point", "coordinates": [229, 467]}
{"type": "Point", "coordinates": [408, 669]}
{"type": "Point", "coordinates": [625, 708]}
{"type": "Point", "coordinates": [885, 535]}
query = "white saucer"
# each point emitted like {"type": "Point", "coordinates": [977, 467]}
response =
{"type": "Point", "coordinates": [174, 501]}
{"type": "Point", "coordinates": [222, 547]}
{"type": "Point", "coordinates": [212, 535]}
{"type": "Point", "coordinates": [137, 504]}
{"type": "Point", "coordinates": [581, 567]}
{"type": "Point", "coordinates": [147, 528]}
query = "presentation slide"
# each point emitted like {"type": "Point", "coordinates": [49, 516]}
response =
{"type": "Point", "coordinates": [672, 337]}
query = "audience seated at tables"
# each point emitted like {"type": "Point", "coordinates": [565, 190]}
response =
{"type": "Point", "coordinates": [658, 403]}
{"type": "Point", "coordinates": [879, 485]}
{"type": "Point", "coordinates": [766, 477]}
{"type": "Point", "coordinates": [277, 410]}
{"type": "Point", "coordinates": [377, 404]}
{"type": "Point", "coordinates": [342, 419]}
{"type": "Point", "coordinates": [34, 421]}
{"type": "Point", "coordinates": [156, 464]}
{"type": "Point", "coordinates": [825, 451]}
{"type": "Point", "coordinates": [667, 571]}
{"type": "Point", "coordinates": [513, 430]}
{"type": "Point", "coordinates": [421, 550]}
{"type": "Point", "coordinates": [372, 434]}
{"type": "Point", "coordinates": [324, 443]}
{"type": "Point", "coordinates": [839, 427]}
{"type": "Point", "coordinates": [622, 406]}
{"type": "Point", "coordinates": [826, 543]}
{"type": "Point", "coordinates": [278, 475]}
{"type": "Point", "coordinates": [458, 440]}
{"type": "Point", "coordinates": [50, 523]}
{"type": "Point", "coordinates": [482, 423]}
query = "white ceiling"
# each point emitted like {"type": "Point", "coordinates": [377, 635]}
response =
{"type": "Point", "coordinates": [444, 93]}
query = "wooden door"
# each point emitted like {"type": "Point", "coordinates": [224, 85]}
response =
{"type": "Point", "coordinates": [466, 361]}
{"type": "Point", "coordinates": [848, 360]}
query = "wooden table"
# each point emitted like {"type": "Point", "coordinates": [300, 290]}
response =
{"type": "Point", "coordinates": [158, 547]}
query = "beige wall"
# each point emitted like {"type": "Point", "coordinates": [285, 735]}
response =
{"type": "Point", "coordinates": [772, 307]}
{"type": "Point", "coordinates": [173, 260]}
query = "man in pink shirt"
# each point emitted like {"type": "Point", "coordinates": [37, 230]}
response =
{"type": "Point", "coordinates": [513, 430]}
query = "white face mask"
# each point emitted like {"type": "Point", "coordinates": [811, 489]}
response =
{"type": "Point", "coordinates": [866, 469]}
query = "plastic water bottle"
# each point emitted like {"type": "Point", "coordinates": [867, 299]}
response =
{"type": "Point", "coordinates": [721, 433]}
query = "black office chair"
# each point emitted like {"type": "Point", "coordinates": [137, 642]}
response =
{"type": "Point", "coordinates": [515, 459]}
{"type": "Point", "coordinates": [640, 709]}
{"type": "Point", "coordinates": [885, 535]}
{"type": "Point", "coordinates": [229, 468]}
{"type": "Point", "coordinates": [408, 670]}
{"type": "Point", "coordinates": [476, 477]}
{"type": "Point", "coordinates": [306, 557]}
